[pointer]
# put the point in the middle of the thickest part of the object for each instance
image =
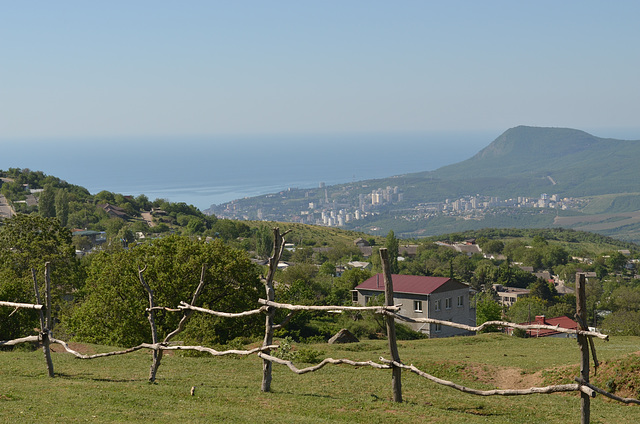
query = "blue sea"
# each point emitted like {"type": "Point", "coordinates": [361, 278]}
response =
{"type": "Point", "coordinates": [212, 170]}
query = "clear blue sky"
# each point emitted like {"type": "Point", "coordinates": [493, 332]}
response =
{"type": "Point", "coordinates": [150, 68]}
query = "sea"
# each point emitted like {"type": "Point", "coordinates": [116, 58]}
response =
{"type": "Point", "coordinates": [207, 170]}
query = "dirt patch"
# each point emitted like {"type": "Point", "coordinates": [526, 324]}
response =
{"type": "Point", "coordinates": [503, 378]}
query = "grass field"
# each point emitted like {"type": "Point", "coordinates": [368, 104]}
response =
{"type": "Point", "coordinates": [115, 389]}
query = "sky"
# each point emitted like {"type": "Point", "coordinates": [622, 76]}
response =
{"type": "Point", "coordinates": [78, 69]}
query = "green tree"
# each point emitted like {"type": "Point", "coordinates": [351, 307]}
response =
{"type": "Point", "coordinates": [27, 242]}
{"type": "Point", "coordinates": [62, 206]}
{"type": "Point", "coordinates": [487, 308]}
{"type": "Point", "coordinates": [111, 307]}
{"type": "Point", "coordinates": [526, 309]}
{"type": "Point", "coordinates": [46, 202]}
{"type": "Point", "coordinates": [264, 241]}
{"type": "Point", "coordinates": [541, 289]}
{"type": "Point", "coordinates": [492, 246]}
{"type": "Point", "coordinates": [616, 262]}
{"type": "Point", "coordinates": [342, 286]}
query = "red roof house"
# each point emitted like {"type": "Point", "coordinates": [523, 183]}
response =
{"type": "Point", "coordinates": [563, 322]}
{"type": "Point", "coordinates": [439, 298]}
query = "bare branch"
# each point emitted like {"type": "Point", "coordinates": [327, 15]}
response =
{"type": "Point", "coordinates": [495, 392]}
{"type": "Point", "coordinates": [321, 364]}
{"type": "Point", "coordinates": [607, 394]}
{"type": "Point", "coordinates": [21, 305]}
{"type": "Point", "coordinates": [604, 337]}
{"type": "Point", "coordinates": [285, 321]}
{"type": "Point", "coordinates": [162, 346]}
{"type": "Point", "coordinates": [21, 340]}
{"type": "Point", "coordinates": [187, 314]}
{"type": "Point", "coordinates": [378, 309]}
{"type": "Point", "coordinates": [184, 305]}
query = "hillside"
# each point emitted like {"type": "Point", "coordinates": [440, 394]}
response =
{"type": "Point", "coordinates": [580, 164]}
{"type": "Point", "coordinates": [572, 174]}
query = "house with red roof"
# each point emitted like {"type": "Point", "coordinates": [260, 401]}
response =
{"type": "Point", "coordinates": [563, 322]}
{"type": "Point", "coordinates": [439, 298]}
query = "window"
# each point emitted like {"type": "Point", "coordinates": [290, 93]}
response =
{"type": "Point", "coordinates": [447, 303]}
{"type": "Point", "coordinates": [417, 305]}
{"type": "Point", "coordinates": [354, 295]}
{"type": "Point", "coordinates": [367, 299]}
{"type": "Point", "coordinates": [460, 301]}
{"type": "Point", "coordinates": [437, 328]}
{"type": "Point", "coordinates": [437, 305]}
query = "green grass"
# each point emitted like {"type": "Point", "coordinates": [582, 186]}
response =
{"type": "Point", "coordinates": [115, 389]}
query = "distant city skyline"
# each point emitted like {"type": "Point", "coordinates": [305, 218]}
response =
{"type": "Point", "coordinates": [75, 69]}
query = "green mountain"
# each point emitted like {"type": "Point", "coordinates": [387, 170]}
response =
{"type": "Point", "coordinates": [592, 184]}
{"type": "Point", "coordinates": [578, 163]}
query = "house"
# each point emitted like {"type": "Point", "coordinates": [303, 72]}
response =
{"type": "Point", "coordinates": [364, 246]}
{"type": "Point", "coordinates": [440, 298]}
{"type": "Point", "coordinates": [466, 248]}
{"type": "Point", "coordinates": [114, 211]}
{"type": "Point", "coordinates": [359, 264]}
{"type": "Point", "coordinates": [360, 242]}
{"type": "Point", "coordinates": [545, 275]}
{"type": "Point", "coordinates": [563, 322]}
{"type": "Point", "coordinates": [408, 250]}
{"type": "Point", "coordinates": [509, 295]}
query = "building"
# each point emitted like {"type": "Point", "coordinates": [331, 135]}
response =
{"type": "Point", "coordinates": [563, 322]}
{"type": "Point", "coordinates": [439, 298]}
{"type": "Point", "coordinates": [509, 295]}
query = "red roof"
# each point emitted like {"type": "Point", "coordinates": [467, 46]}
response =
{"type": "Point", "coordinates": [563, 321]}
{"type": "Point", "coordinates": [414, 284]}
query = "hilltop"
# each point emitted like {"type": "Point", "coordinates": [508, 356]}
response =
{"type": "Point", "coordinates": [528, 177]}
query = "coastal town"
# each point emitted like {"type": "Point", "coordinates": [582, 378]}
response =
{"type": "Point", "coordinates": [350, 203]}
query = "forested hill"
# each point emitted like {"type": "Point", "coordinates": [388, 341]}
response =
{"type": "Point", "coordinates": [560, 160]}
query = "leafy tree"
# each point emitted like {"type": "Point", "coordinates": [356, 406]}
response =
{"type": "Point", "coordinates": [342, 286]}
{"type": "Point", "coordinates": [492, 246]}
{"type": "Point", "coordinates": [483, 275]}
{"type": "Point", "coordinates": [46, 202]}
{"type": "Point", "coordinates": [62, 206]}
{"type": "Point", "coordinates": [27, 242]}
{"type": "Point", "coordinates": [616, 262]}
{"type": "Point", "coordinates": [526, 308]}
{"type": "Point", "coordinates": [542, 290]}
{"type": "Point", "coordinates": [327, 268]}
{"type": "Point", "coordinates": [487, 308]}
{"type": "Point", "coordinates": [111, 308]}
{"type": "Point", "coordinates": [264, 241]}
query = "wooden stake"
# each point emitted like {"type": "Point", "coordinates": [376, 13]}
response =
{"type": "Point", "coordinates": [44, 327]}
{"type": "Point", "coordinates": [157, 354]}
{"type": "Point", "coordinates": [396, 379]}
{"type": "Point", "coordinates": [267, 365]}
{"type": "Point", "coordinates": [581, 313]}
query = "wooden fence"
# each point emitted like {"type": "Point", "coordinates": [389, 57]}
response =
{"type": "Point", "coordinates": [269, 306]}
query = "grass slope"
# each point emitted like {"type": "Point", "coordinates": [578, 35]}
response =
{"type": "Point", "coordinates": [115, 389]}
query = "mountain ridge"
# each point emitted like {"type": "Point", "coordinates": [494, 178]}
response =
{"type": "Point", "coordinates": [523, 162]}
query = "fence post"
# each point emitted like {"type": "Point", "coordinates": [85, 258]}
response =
{"type": "Point", "coordinates": [157, 353]}
{"type": "Point", "coordinates": [267, 366]}
{"type": "Point", "coordinates": [581, 314]}
{"type": "Point", "coordinates": [44, 322]}
{"type": "Point", "coordinates": [396, 379]}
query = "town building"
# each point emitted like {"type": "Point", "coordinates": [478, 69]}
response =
{"type": "Point", "coordinates": [439, 298]}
